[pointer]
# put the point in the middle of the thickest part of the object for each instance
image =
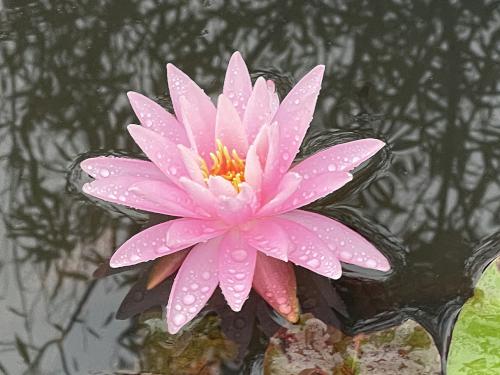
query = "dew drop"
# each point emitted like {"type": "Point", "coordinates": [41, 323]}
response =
{"type": "Point", "coordinates": [371, 263]}
{"type": "Point", "coordinates": [162, 249]}
{"type": "Point", "coordinates": [239, 287]}
{"type": "Point", "coordinates": [281, 300]}
{"type": "Point", "coordinates": [179, 319]}
{"type": "Point", "coordinates": [332, 167]}
{"type": "Point", "coordinates": [188, 299]}
{"type": "Point", "coordinates": [285, 309]}
{"type": "Point", "coordinates": [205, 275]}
{"type": "Point", "coordinates": [345, 255]}
{"type": "Point", "coordinates": [104, 172]}
{"type": "Point", "coordinates": [239, 255]}
{"type": "Point", "coordinates": [313, 263]}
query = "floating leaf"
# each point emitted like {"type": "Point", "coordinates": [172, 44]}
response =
{"type": "Point", "coordinates": [312, 347]}
{"type": "Point", "coordinates": [475, 343]}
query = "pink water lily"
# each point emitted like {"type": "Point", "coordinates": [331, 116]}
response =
{"type": "Point", "coordinates": [228, 173]}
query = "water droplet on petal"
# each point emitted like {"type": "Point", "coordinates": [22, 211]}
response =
{"type": "Point", "coordinates": [162, 249]}
{"type": "Point", "coordinates": [104, 172]}
{"type": "Point", "coordinates": [332, 167]}
{"type": "Point", "coordinates": [179, 319]}
{"type": "Point", "coordinates": [281, 300]}
{"type": "Point", "coordinates": [239, 276]}
{"type": "Point", "coordinates": [345, 255]}
{"type": "Point", "coordinates": [285, 309]}
{"type": "Point", "coordinates": [314, 263]}
{"type": "Point", "coordinates": [239, 255]}
{"type": "Point", "coordinates": [188, 299]}
{"type": "Point", "coordinates": [239, 287]}
{"type": "Point", "coordinates": [205, 275]}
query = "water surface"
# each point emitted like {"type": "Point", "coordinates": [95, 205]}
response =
{"type": "Point", "coordinates": [424, 76]}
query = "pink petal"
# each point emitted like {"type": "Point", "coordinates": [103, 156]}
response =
{"type": "Point", "coordinates": [179, 85]}
{"type": "Point", "coordinates": [309, 251]}
{"type": "Point", "coordinates": [258, 111]}
{"type": "Point", "coordinates": [200, 195]}
{"type": "Point", "coordinates": [341, 157]}
{"type": "Point", "coordinates": [274, 100]}
{"type": "Point", "coordinates": [160, 151]}
{"type": "Point", "coordinates": [267, 236]}
{"type": "Point", "coordinates": [236, 269]}
{"type": "Point", "coordinates": [261, 144]}
{"type": "Point", "coordinates": [275, 281]}
{"type": "Point", "coordinates": [197, 113]}
{"type": "Point", "coordinates": [194, 285]}
{"type": "Point", "coordinates": [165, 267]}
{"type": "Point", "coordinates": [272, 175]}
{"type": "Point", "coordinates": [237, 83]}
{"type": "Point", "coordinates": [287, 187]}
{"type": "Point", "coordinates": [144, 246]}
{"type": "Point", "coordinates": [116, 190]}
{"type": "Point", "coordinates": [313, 188]}
{"type": "Point", "coordinates": [253, 169]}
{"type": "Point", "coordinates": [220, 186]}
{"type": "Point", "coordinates": [295, 114]}
{"type": "Point", "coordinates": [156, 118]}
{"type": "Point", "coordinates": [237, 210]}
{"type": "Point", "coordinates": [187, 232]}
{"type": "Point", "coordinates": [200, 127]}
{"type": "Point", "coordinates": [348, 245]}
{"type": "Point", "coordinates": [228, 127]}
{"type": "Point", "coordinates": [110, 166]}
{"type": "Point", "coordinates": [170, 197]}
{"type": "Point", "coordinates": [192, 162]}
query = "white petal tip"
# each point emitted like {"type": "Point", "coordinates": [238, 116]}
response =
{"type": "Point", "coordinates": [236, 54]}
{"type": "Point", "coordinates": [171, 329]}
{"type": "Point", "coordinates": [133, 127]}
{"type": "Point", "coordinates": [86, 165]}
{"type": "Point", "coordinates": [384, 267]}
{"type": "Point", "coordinates": [377, 144]}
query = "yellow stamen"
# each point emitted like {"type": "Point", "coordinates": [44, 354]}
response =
{"type": "Point", "coordinates": [225, 164]}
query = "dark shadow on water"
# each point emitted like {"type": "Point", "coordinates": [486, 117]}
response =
{"type": "Point", "coordinates": [424, 76]}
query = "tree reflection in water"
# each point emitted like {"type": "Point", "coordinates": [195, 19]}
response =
{"type": "Point", "coordinates": [422, 75]}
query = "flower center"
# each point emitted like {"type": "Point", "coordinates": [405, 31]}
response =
{"type": "Point", "coordinates": [225, 164]}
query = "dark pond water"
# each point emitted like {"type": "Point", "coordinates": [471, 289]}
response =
{"type": "Point", "coordinates": [424, 76]}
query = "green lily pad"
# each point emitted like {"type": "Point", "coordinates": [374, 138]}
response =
{"type": "Point", "coordinates": [475, 343]}
{"type": "Point", "coordinates": [312, 347]}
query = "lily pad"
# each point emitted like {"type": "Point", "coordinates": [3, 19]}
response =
{"type": "Point", "coordinates": [312, 347]}
{"type": "Point", "coordinates": [475, 343]}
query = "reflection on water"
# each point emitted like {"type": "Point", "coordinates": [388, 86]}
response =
{"type": "Point", "coordinates": [422, 75]}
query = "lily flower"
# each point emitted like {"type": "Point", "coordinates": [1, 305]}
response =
{"type": "Point", "coordinates": [227, 172]}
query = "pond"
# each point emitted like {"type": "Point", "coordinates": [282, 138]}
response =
{"type": "Point", "coordinates": [422, 76]}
